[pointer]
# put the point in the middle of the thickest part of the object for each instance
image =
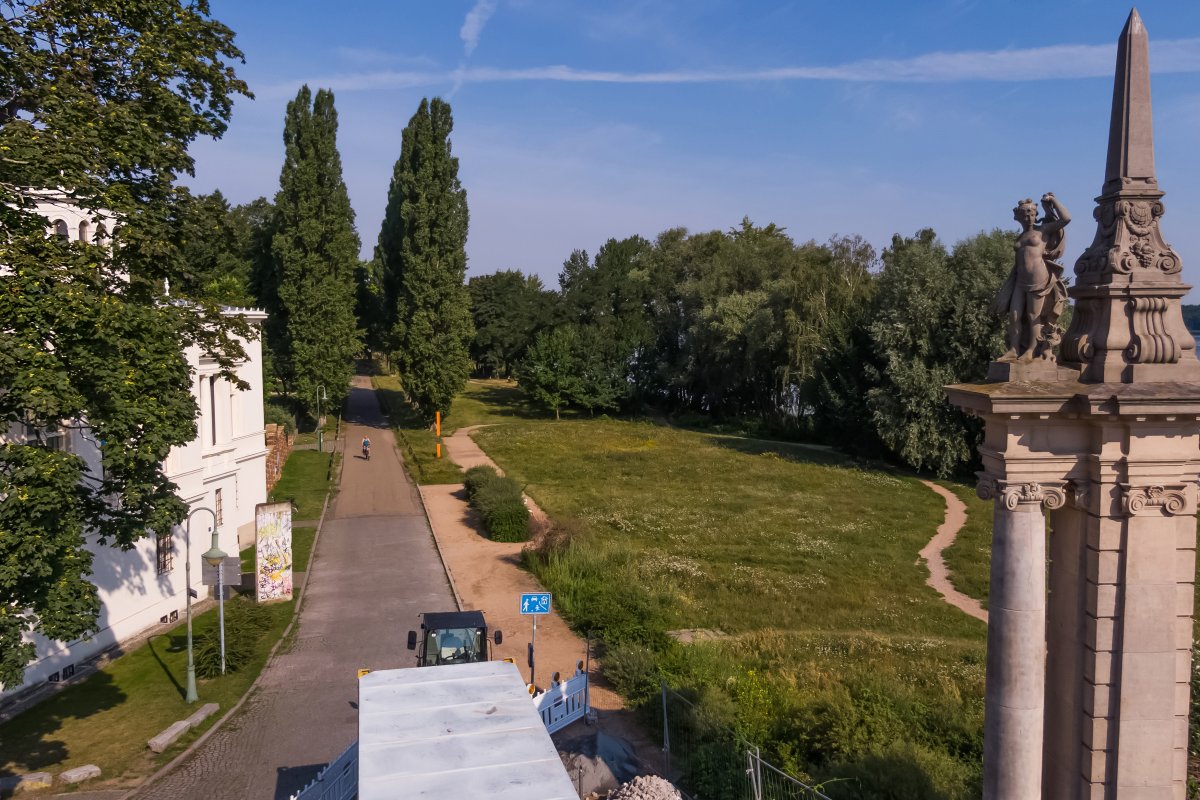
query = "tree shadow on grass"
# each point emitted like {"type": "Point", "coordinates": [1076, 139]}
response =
{"type": "Point", "coordinates": [509, 401]}
{"type": "Point", "coordinates": [788, 451]}
{"type": "Point", "coordinates": [28, 744]}
{"type": "Point", "coordinates": [172, 644]}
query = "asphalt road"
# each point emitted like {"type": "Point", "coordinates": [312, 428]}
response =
{"type": "Point", "coordinates": [374, 570]}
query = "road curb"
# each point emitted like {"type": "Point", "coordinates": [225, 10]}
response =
{"type": "Point", "coordinates": [191, 748]}
{"type": "Point", "coordinates": [438, 546]}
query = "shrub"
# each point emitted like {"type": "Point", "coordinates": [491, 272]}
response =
{"type": "Point", "coordinates": [476, 478]}
{"type": "Point", "coordinates": [508, 522]}
{"type": "Point", "coordinates": [278, 415]}
{"type": "Point", "coordinates": [633, 671]}
{"type": "Point", "coordinates": [245, 624]}
{"type": "Point", "coordinates": [500, 504]}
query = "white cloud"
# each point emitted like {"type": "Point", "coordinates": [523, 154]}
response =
{"type": "Point", "coordinates": [1054, 62]}
{"type": "Point", "coordinates": [472, 27]}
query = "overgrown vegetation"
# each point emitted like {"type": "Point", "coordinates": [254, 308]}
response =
{"type": "Point", "coordinates": [500, 503]}
{"type": "Point", "coordinates": [832, 653]}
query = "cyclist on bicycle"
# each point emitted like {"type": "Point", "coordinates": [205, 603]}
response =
{"type": "Point", "coordinates": [366, 445]}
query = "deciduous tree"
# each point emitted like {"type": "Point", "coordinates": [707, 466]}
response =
{"type": "Point", "coordinates": [99, 101]}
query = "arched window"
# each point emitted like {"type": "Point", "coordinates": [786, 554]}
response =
{"type": "Point", "coordinates": [83, 231]}
{"type": "Point", "coordinates": [61, 230]}
{"type": "Point", "coordinates": [101, 234]}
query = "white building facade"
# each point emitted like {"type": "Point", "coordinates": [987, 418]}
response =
{"type": "Point", "coordinates": [222, 469]}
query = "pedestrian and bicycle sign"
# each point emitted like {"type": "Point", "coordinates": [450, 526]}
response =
{"type": "Point", "coordinates": [535, 603]}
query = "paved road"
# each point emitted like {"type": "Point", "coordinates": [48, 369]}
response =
{"type": "Point", "coordinates": [374, 570]}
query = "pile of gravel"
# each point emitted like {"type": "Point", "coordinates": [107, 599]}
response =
{"type": "Point", "coordinates": [646, 787]}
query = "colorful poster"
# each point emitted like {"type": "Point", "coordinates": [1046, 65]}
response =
{"type": "Point", "coordinates": [273, 546]}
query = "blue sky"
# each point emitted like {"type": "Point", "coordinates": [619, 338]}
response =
{"type": "Point", "coordinates": [580, 121]}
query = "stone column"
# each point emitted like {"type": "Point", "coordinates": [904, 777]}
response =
{"type": "Point", "coordinates": [1016, 655]}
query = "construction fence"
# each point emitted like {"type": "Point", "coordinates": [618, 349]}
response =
{"type": "Point", "coordinates": [707, 760]}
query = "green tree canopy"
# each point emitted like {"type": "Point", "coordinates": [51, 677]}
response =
{"type": "Point", "coordinates": [99, 101]}
{"type": "Point", "coordinates": [313, 331]}
{"type": "Point", "coordinates": [550, 371]}
{"type": "Point", "coordinates": [932, 327]}
{"type": "Point", "coordinates": [423, 259]}
{"type": "Point", "coordinates": [508, 309]}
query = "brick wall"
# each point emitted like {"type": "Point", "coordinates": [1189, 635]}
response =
{"type": "Point", "coordinates": [279, 445]}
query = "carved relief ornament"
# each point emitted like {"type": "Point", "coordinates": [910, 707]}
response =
{"type": "Point", "coordinates": [1013, 494]}
{"type": "Point", "coordinates": [1128, 238]}
{"type": "Point", "coordinates": [1166, 500]}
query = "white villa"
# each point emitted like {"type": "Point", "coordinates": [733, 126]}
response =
{"type": "Point", "coordinates": [223, 469]}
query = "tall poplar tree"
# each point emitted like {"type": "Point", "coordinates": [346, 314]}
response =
{"type": "Point", "coordinates": [423, 258]}
{"type": "Point", "coordinates": [313, 331]}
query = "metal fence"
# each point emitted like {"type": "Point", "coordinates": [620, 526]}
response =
{"type": "Point", "coordinates": [708, 761]}
{"type": "Point", "coordinates": [338, 781]}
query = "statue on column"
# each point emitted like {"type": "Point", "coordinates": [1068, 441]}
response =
{"type": "Point", "coordinates": [1034, 295]}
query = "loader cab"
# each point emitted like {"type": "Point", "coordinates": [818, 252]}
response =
{"type": "Point", "coordinates": [451, 637]}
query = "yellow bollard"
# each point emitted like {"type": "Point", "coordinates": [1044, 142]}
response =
{"type": "Point", "coordinates": [439, 449]}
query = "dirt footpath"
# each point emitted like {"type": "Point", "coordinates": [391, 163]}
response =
{"type": "Point", "coordinates": [939, 574]}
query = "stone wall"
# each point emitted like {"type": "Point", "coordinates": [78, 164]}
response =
{"type": "Point", "coordinates": [279, 446]}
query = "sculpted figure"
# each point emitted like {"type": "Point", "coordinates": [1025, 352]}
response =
{"type": "Point", "coordinates": [1034, 295]}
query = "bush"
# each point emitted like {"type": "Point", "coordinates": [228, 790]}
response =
{"type": "Point", "coordinates": [633, 671]}
{"type": "Point", "coordinates": [245, 624]}
{"type": "Point", "coordinates": [278, 415]}
{"type": "Point", "coordinates": [500, 504]}
{"type": "Point", "coordinates": [478, 477]}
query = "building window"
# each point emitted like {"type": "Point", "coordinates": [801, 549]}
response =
{"type": "Point", "coordinates": [101, 234]}
{"type": "Point", "coordinates": [220, 507]}
{"type": "Point", "coordinates": [212, 407]}
{"type": "Point", "coordinates": [83, 231]}
{"type": "Point", "coordinates": [61, 230]}
{"type": "Point", "coordinates": [165, 547]}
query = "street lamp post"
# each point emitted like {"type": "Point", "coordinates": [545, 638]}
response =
{"type": "Point", "coordinates": [215, 557]}
{"type": "Point", "coordinates": [320, 428]}
{"type": "Point", "coordinates": [191, 696]}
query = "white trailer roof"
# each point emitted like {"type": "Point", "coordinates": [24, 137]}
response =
{"type": "Point", "coordinates": [458, 730]}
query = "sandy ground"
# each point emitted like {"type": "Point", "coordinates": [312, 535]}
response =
{"type": "Point", "coordinates": [939, 575]}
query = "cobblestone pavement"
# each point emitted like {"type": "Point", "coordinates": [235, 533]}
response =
{"type": "Point", "coordinates": [375, 568]}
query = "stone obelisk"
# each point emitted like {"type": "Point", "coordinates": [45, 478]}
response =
{"type": "Point", "coordinates": [1089, 662]}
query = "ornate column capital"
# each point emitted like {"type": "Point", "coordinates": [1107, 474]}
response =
{"type": "Point", "coordinates": [1156, 500]}
{"type": "Point", "coordinates": [1012, 494]}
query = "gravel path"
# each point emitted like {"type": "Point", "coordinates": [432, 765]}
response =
{"type": "Point", "coordinates": [939, 575]}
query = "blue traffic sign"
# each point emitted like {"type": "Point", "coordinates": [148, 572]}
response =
{"type": "Point", "coordinates": [535, 603]}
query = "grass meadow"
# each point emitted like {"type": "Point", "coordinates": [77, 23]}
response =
{"type": "Point", "coordinates": [832, 654]}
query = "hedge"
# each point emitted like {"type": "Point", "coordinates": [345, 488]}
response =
{"type": "Point", "coordinates": [500, 503]}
